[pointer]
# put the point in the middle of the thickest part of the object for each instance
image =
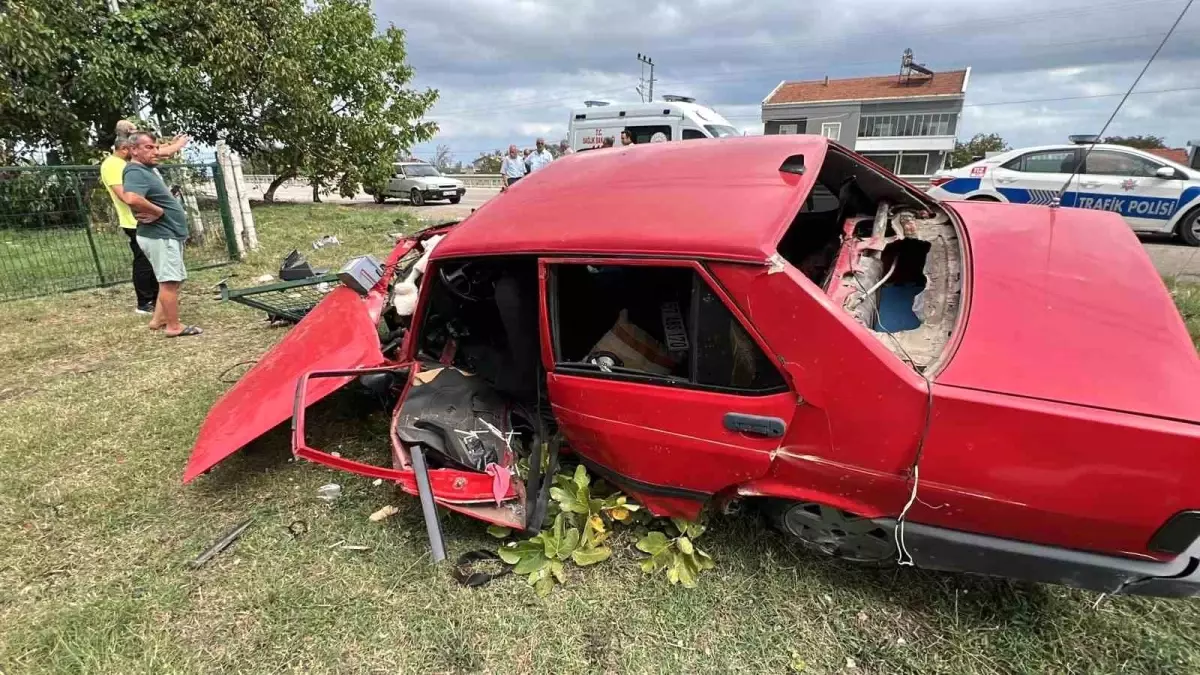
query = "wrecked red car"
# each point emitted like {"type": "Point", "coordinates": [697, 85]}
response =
{"type": "Point", "coordinates": [989, 388]}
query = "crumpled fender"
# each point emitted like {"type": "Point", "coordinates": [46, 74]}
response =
{"type": "Point", "coordinates": [339, 333]}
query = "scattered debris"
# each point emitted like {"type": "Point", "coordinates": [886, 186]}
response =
{"type": "Point", "coordinates": [377, 482]}
{"type": "Point", "coordinates": [465, 571]}
{"type": "Point", "coordinates": [329, 492]}
{"type": "Point", "coordinates": [266, 278]}
{"type": "Point", "coordinates": [900, 642]}
{"type": "Point", "coordinates": [851, 664]}
{"type": "Point", "coordinates": [221, 544]}
{"type": "Point", "coordinates": [862, 616]}
{"type": "Point", "coordinates": [341, 544]}
{"type": "Point", "coordinates": [384, 513]}
{"type": "Point", "coordinates": [297, 528]}
{"type": "Point", "coordinates": [295, 267]}
{"type": "Point", "coordinates": [327, 240]}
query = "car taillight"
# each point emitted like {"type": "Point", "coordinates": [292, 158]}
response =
{"type": "Point", "coordinates": [938, 181]}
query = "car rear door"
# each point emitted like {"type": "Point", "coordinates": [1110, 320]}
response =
{"type": "Point", "coordinates": [396, 182]}
{"type": "Point", "coordinates": [1036, 177]}
{"type": "Point", "coordinates": [1125, 183]}
{"type": "Point", "coordinates": [656, 381]}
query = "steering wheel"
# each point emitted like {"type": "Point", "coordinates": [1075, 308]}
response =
{"type": "Point", "coordinates": [459, 280]}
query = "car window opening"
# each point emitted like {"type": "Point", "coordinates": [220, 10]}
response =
{"type": "Point", "coordinates": [888, 258]}
{"type": "Point", "coordinates": [661, 325]}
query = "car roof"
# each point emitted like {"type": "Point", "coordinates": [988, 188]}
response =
{"type": "Point", "coordinates": [1071, 146]}
{"type": "Point", "coordinates": [720, 199]}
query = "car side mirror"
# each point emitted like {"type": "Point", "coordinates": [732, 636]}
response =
{"type": "Point", "coordinates": [1167, 173]}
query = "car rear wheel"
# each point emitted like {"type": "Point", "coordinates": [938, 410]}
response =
{"type": "Point", "coordinates": [379, 197]}
{"type": "Point", "coordinates": [1189, 228]}
{"type": "Point", "coordinates": [455, 200]}
{"type": "Point", "coordinates": [835, 532]}
{"type": "Point", "coordinates": [416, 197]}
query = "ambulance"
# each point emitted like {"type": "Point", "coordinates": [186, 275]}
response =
{"type": "Point", "coordinates": [1152, 194]}
{"type": "Point", "coordinates": [672, 119]}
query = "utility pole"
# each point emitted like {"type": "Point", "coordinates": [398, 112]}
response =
{"type": "Point", "coordinates": [647, 61]}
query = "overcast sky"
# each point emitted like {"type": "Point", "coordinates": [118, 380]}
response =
{"type": "Point", "coordinates": [511, 70]}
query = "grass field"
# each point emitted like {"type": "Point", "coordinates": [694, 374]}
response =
{"type": "Point", "coordinates": [97, 416]}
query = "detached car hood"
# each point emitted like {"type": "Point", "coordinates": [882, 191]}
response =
{"type": "Point", "coordinates": [339, 333]}
{"type": "Point", "coordinates": [1065, 305]}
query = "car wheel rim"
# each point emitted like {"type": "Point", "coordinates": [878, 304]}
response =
{"type": "Point", "coordinates": [1196, 227]}
{"type": "Point", "coordinates": [834, 532]}
{"type": "Point", "coordinates": [416, 198]}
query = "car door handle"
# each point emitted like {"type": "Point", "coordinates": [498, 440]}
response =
{"type": "Point", "coordinates": [1090, 184]}
{"type": "Point", "coordinates": [1006, 180]}
{"type": "Point", "coordinates": [755, 425]}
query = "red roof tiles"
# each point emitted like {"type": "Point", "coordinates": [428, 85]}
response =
{"type": "Point", "coordinates": [948, 83]}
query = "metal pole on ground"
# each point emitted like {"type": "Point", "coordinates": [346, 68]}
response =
{"type": "Point", "coordinates": [433, 527]}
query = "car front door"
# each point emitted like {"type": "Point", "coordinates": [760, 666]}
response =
{"type": "Point", "coordinates": [1037, 177]}
{"type": "Point", "coordinates": [656, 381]}
{"type": "Point", "coordinates": [396, 183]}
{"type": "Point", "coordinates": [1128, 184]}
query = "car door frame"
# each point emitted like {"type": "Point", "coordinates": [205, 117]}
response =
{"type": "Point", "coordinates": [396, 182]}
{"type": "Point", "coordinates": [1030, 187]}
{"type": "Point", "coordinates": [659, 498]}
{"type": "Point", "coordinates": [1105, 191]}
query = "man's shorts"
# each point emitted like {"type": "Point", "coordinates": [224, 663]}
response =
{"type": "Point", "coordinates": [166, 257]}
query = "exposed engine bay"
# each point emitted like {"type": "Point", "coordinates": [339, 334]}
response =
{"type": "Point", "coordinates": [889, 260]}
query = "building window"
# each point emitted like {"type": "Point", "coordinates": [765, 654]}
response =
{"type": "Point", "coordinates": [885, 159]}
{"type": "Point", "coordinates": [913, 164]}
{"type": "Point", "coordinates": [831, 130]}
{"type": "Point", "coordinates": [922, 124]}
{"type": "Point", "coordinates": [789, 128]}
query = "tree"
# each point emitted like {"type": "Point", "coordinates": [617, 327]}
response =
{"type": "Point", "coordinates": [978, 146]}
{"type": "Point", "coordinates": [306, 88]}
{"type": "Point", "coordinates": [486, 163]}
{"type": "Point", "coordinates": [442, 158]}
{"type": "Point", "coordinates": [1143, 142]}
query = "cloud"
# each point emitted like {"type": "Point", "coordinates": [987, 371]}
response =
{"type": "Point", "coordinates": [510, 70]}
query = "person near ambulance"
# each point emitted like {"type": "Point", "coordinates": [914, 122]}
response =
{"type": "Point", "coordinates": [145, 286]}
{"type": "Point", "coordinates": [540, 157]}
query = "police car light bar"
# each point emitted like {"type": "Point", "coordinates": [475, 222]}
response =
{"type": "Point", "coordinates": [1084, 139]}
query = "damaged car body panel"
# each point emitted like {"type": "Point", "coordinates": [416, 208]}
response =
{"type": "Point", "coordinates": [779, 320]}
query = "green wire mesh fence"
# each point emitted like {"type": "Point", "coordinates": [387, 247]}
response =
{"type": "Point", "coordinates": [59, 231]}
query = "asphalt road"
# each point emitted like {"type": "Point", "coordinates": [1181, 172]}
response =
{"type": "Point", "coordinates": [1172, 258]}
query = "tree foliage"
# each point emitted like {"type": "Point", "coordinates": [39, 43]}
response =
{"type": "Point", "coordinates": [488, 163]}
{"type": "Point", "coordinates": [1146, 142]}
{"type": "Point", "coordinates": [978, 146]}
{"type": "Point", "coordinates": [443, 158]}
{"type": "Point", "coordinates": [307, 89]}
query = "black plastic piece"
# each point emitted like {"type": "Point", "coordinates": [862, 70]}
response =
{"type": "Point", "coordinates": [757, 425]}
{"type": "Point", "coordinates": [295, 267]}
{"type": "Point", "coordinates": [1177, 533]}
{"type": "Point", "coordinates": [793, 164]}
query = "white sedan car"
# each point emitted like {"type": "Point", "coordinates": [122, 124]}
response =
{"type": "Point", "coordinates": [1152, 194]}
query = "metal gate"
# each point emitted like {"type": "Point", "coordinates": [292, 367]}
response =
{"type": "Point", "coordinates": [59, 230]}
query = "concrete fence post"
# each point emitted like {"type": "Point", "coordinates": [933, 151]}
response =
{"type": "Point", "coordinates": [225, 166]}
{"type": "Point", "coordinates": [243, 197]}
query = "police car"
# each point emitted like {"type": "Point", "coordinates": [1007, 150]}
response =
{"type": "Point", "coordinates": [1152, 194]}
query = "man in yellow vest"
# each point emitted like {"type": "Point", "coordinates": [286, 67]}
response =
{"type": "Point", "coordinates": [145, 285]}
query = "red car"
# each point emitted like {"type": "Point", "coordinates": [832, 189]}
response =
{"type": "Point", "coordinates": [989, 388]}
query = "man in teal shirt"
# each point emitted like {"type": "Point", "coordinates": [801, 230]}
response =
{"type": "Point", "coordinates": [161, 232]}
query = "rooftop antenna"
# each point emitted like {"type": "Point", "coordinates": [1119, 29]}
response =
{"type": "Point", "coordinates": [1058, 198]}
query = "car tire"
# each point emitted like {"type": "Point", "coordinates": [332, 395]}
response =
{"type": "Point", "coordinates": [982, 198]}
{"type": "Point", "coordinates": [379, 197]}
{"type": "Point", "coordinates": [834, 532]}
{"type": "Point", "coordinates": [1189, 227]}
{"type": "Point", "coordinates": [416, 198]}
{"type": "Point", "coordinates": [455, 200]}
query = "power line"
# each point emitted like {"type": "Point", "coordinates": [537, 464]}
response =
{"type": "Point", "coordinates": [1123, 99]}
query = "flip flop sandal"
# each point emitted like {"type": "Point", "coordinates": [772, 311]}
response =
{"type": "Point", "coordinates": [187, 331]}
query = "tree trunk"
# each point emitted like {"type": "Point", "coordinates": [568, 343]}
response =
{"type": "Point", "coordinates": [280, 179]}
{"type": "Point", "coordinates": [316, 193]}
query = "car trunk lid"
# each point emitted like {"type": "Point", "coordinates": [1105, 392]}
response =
{"type": "Point", "coordinates": [1065, 305]}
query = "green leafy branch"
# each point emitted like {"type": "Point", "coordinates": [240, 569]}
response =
{"type": "Point", "coordinates": [580, 523]}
